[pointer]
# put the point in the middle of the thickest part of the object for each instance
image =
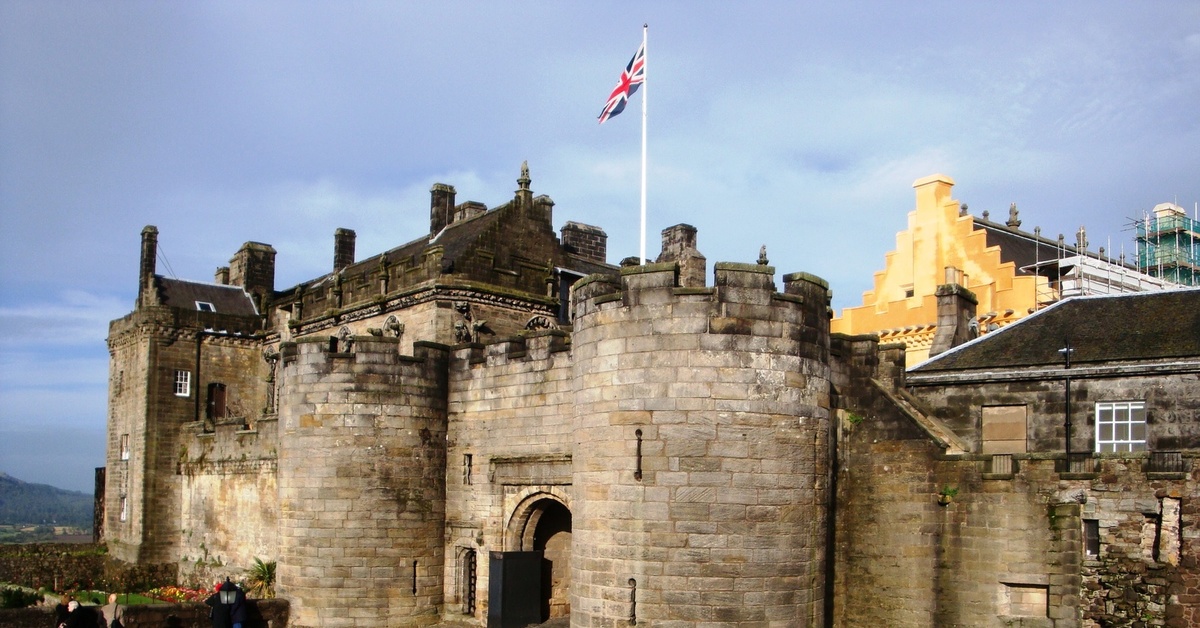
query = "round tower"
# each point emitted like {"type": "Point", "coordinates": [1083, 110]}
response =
{"type": "Point", "coordinates": [701, 467]}
{"type": "Point", "coordinates": [362, 454]}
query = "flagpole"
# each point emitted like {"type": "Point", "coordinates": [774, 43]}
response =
{"type": "Point", "coordinates": [645, 89]}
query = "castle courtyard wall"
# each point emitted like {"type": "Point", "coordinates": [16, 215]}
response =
{"type": "Point", "coordinates": [929, 539]}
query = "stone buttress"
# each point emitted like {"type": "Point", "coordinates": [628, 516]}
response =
{"type": "Point", "coordinates": [362, 481]}
{"type": "Point", "coordinates": [701, 460]}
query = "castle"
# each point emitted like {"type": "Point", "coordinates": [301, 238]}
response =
{"type": "Point", "coordinates": [492, 423]}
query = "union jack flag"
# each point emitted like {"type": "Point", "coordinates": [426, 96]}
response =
{"type": "Point", "coordinates": [632, 78]}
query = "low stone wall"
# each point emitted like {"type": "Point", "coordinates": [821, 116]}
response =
{"type": "Point", "coordinates": [263, 614]}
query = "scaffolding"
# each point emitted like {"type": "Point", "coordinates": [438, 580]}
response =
{"type": "Point", "coordinates": [1169, 245]}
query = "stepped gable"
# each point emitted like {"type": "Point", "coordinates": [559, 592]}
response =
{"type": "Point", "coordinates": [1138, 326]}
{"type": "Point", "coordinates": [230, 300]}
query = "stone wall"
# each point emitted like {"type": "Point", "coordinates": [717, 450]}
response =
{"type": "Point", "coordinates": [1007, 547]}
{"type": "Point", "coordinates": [701, 473]}
{"type": "Point", "coordinates": [362, 461]}
{"type": "Point", "coordinates": [510, 442]}
{"type": "Point", "coordinates": [230, 501]}
{"type": "Point", "coordinates": [1172, 402]}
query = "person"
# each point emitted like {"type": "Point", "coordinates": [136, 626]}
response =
{"type": "Point", "coordinates": [227, 615]}
{"type": "Point", "coordinates": [62, 611]}
{"type": "Point", "coordinates": [112, 613]}
{"type": "Point", "coordinates": [78, 616]}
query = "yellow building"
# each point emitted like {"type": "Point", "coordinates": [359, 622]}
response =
{"type": "Point", "coordinates": [1011, 272]}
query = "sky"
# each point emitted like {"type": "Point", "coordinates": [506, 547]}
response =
{"type": "Point", "coordinates": [800, 126]}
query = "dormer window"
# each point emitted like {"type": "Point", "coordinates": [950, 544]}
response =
{"type": "Point", "coordinates": [205, 306]}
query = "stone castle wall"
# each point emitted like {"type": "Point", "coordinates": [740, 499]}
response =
{"type": "Point", "coordinates": [702, 470]}
{"type": "Point", "coordinates": [362, 462]}
{"type": "Point", "coordinates": [987, 541]}
{"type": "Point", "coordinates": [230, 500]}
{"type": "Point", "coordinates": [510, 443]}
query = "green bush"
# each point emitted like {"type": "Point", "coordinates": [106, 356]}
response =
{"type": "Point", "coordinates": [18, 597]}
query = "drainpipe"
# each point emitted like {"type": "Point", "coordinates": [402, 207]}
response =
{"type": "Point", "coordinates": [1066, 351]}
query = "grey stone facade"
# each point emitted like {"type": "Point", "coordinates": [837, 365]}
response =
{"type": "Point", "coordinates": [671, 453]}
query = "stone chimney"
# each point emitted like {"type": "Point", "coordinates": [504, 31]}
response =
{"type": "Point", "coordinates": [147, 269]}
{"type": "Point", "coordinates": [343, 248]}
{"type": "Point", "coordinates": [441, 207]}
{"type": "Point", "coordinates": [222, 275]}
{"type": "Point", "coordinates": [955, 311]}
{"type": "Point", "coordinates": [469, 210]}
{"type": "Point", "coordinates": [679, 245]}
{"type": "Point", "coordinates": [253, 268]}
{"type": "Point", "coordinates": [586, 241]}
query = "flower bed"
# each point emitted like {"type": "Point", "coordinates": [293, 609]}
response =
{"type": "Point", "coordinates": [176, 594]}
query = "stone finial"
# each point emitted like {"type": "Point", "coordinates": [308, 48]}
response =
{"type": "Point", "coordinates": [1013, 221]}
{"type": "Point", "coordinates": [762, 256]}
{"type": "Point", "coordinates": [1081, 242]}
{"type": "Point", "coordinates": [523, 181]}
{"type": "Point", "coordinates": [986, 213]}
{"type": "Point", "coordinates": [962, 209]}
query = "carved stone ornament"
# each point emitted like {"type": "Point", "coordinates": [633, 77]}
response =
{"type": "Point", "coordinates": [540, 322]}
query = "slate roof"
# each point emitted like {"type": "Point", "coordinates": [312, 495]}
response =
{"type": "Point", "coordinates": [231, 300]}
{"type": "Point", "coordinates": [1026, 249]}
{"type": "Point", "coordinates": [456, 240]}
{"type": "Point", "coordinates": [1143, 326]}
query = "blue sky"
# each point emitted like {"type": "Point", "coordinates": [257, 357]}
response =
{"type": "Point", "coordinates": [800, 126]}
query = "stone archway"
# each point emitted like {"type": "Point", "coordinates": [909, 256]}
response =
{"type": "Point", "coordinates": [542, 522]}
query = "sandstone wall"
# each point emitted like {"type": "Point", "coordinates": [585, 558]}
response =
{"type": "Point", "coordinates": [701, 472]}
{"type": "Point", "coordinates": [362, 482]}
{"type": "Point", "coordinates": [509, 442]}
{"type": "Point", "coordinates": [1008, 548]}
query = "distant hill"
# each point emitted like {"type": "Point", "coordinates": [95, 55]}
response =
{"type": "Point", "coordinates": [25, 503]}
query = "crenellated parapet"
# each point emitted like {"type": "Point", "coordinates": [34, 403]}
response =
{"type": "Point", "coordinates": [705, 418]}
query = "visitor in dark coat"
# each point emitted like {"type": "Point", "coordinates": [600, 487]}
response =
{"type": "Point", "coordinates": [231, 615]}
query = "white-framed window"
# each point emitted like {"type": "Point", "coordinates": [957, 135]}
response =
{"type": "Point", "coordinates": [205, 306]}
{"type": "Point", "coordinates": [124, 446]}
{"type": "Point", "coordinates": [1120, 426]}
{"type": "Point", "coordinates": [124, 508]}
{"type": "Point", "coordinates": [183, 383]}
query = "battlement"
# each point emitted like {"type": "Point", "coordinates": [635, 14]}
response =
{"type": "Point", "coordinates": [739, 291]}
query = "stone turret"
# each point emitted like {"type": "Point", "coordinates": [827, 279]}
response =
{"type": "Point", "coordinates": [362, 459]}
{"type": "Point", "coordinates": [705, 475]}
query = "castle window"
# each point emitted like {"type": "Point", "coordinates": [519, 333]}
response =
{"type": "Point", "coordinates": [183, 383]}
{"type": "Point", "coordinates": [205, 306]}
{"type": "Point", "coordinates": [467, 461]}
{"type": "Point", "coordinates": [1120, 426]}
{"type": "Point", "coordinates": [124, 508]}
{"type": "Point", "coordinates": [1091, 538]}
{"type": "Point", "coordinates": [216, 401]}
{"type": "Point", "coordinates": [124, 446]}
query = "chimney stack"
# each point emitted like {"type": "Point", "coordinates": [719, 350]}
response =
{"type": "Point", "coordinates": [343, 248]}
{"type": "Point", "coordinates": [441, 207]}
{"type": "Point", "coordinates": [149, 253]}
{"type": "Point", "coordinates": [955, 309]}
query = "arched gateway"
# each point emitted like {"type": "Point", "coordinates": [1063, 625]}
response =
{"type": "Point", "coordinates": [541, 523]}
